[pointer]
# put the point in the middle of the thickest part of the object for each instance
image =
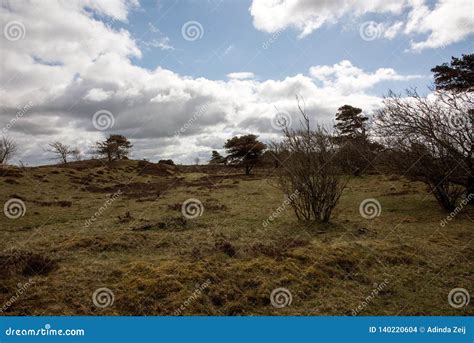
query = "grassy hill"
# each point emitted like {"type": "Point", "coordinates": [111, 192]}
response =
{"type": "Point", "coordinates": [88, 226]}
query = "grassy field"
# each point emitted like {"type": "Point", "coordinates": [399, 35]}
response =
{"type": "Point", "coordinates": [153, 261]}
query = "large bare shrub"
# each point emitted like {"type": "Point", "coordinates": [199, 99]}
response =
{"type": "Point", "coordinates": [310, 170]}
{"type": "Point", "coordinates": [430, 139]}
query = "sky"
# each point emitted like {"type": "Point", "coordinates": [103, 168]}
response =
{"type": "Point", "coordinates": [179, 78]}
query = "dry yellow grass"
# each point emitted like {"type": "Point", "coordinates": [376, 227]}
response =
{"type": "Point", "coordinates": [154, 262]}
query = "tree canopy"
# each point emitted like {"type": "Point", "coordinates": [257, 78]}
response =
{"type": "Point", "coordinates": [217, 158]}
{"type": "Point", "coordinates": [456, 76]}
{"type": "Point", "coordinates": [350, 121]}
{"type": "Point", "coordinates": [114, 147]}
{"type": "Point", "coordinates": [244, 150]}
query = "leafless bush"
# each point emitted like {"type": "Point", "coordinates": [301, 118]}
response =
{"type": "Point", "coordinates": [430, 139]}
{"type": "Point", "coordinates": [8, 149]}
{"type": "Point", "coordinates": [62, 151]}
{"type": "Point", "coordinates": [311, 171]}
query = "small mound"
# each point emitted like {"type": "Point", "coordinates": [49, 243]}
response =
{"type": "Point", "coordinates": [59, 203]}
{"type": "Point", "coordinates": [226, 247]}
{"type": "Point", "coordinates": [9, 171]}
{"type": "Point", "coordinates": [26, 264]}
{"type": "Point", "coordinates": [83, 165]}
{"type": "Point", "coordinates": [100, 244]}
{"type": "Point", "coordinates": [135, 190]}
{"type": "Point", "coordinates": [168, 223]}
{"type": "Point", "coordinates": [156, 169]}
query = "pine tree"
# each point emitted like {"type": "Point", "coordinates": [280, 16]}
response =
{"type": "Point", "coordinates": [458, 77]}
{"type": "Point", "coordinates": [216, 158]}
{"type": "Point", "coordinates": [114, 147]}
{"type": "Point", "coordinates": [245, 151]}
{"type": "Point", "coordinates": [350, 122]}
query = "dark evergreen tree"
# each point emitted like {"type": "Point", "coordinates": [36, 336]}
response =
{"type": "Point", "coordinates": [245, 151]}
{"type": "Point", "coordinates": [217, 158]}
{"type": "Point", "coordinates": [458, 77]}
{"type": "Point", "coordinates": [350, 122]}
{"type": "Point", "coordinates": [114, 147]}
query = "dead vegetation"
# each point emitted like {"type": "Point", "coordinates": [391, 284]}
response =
{"type": "Point", "coordinates": [168, 223]}
{"type": "Point", "coordinates": [152, 257]}
{"type": "Point", "coordinates": [9, 171]}
{"type": "Point", "coordinates": [25, 263]}
{"type": "Point", "coordinates": [311, 178]}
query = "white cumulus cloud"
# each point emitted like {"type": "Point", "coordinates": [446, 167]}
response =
{"type": "Point", "coordinates": [439, 23]}
{"type": "Point", "coordinates": [241, 75]}
{"type": "Point", "coordinates": [165, 114]}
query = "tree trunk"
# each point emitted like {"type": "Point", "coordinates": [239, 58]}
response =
{"type": "Point", "coordinates": [443, 198]}
{"type": "Point", "coordinates": [470, 190]}
{"type": "Point", "coordinates": [470, 180]}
